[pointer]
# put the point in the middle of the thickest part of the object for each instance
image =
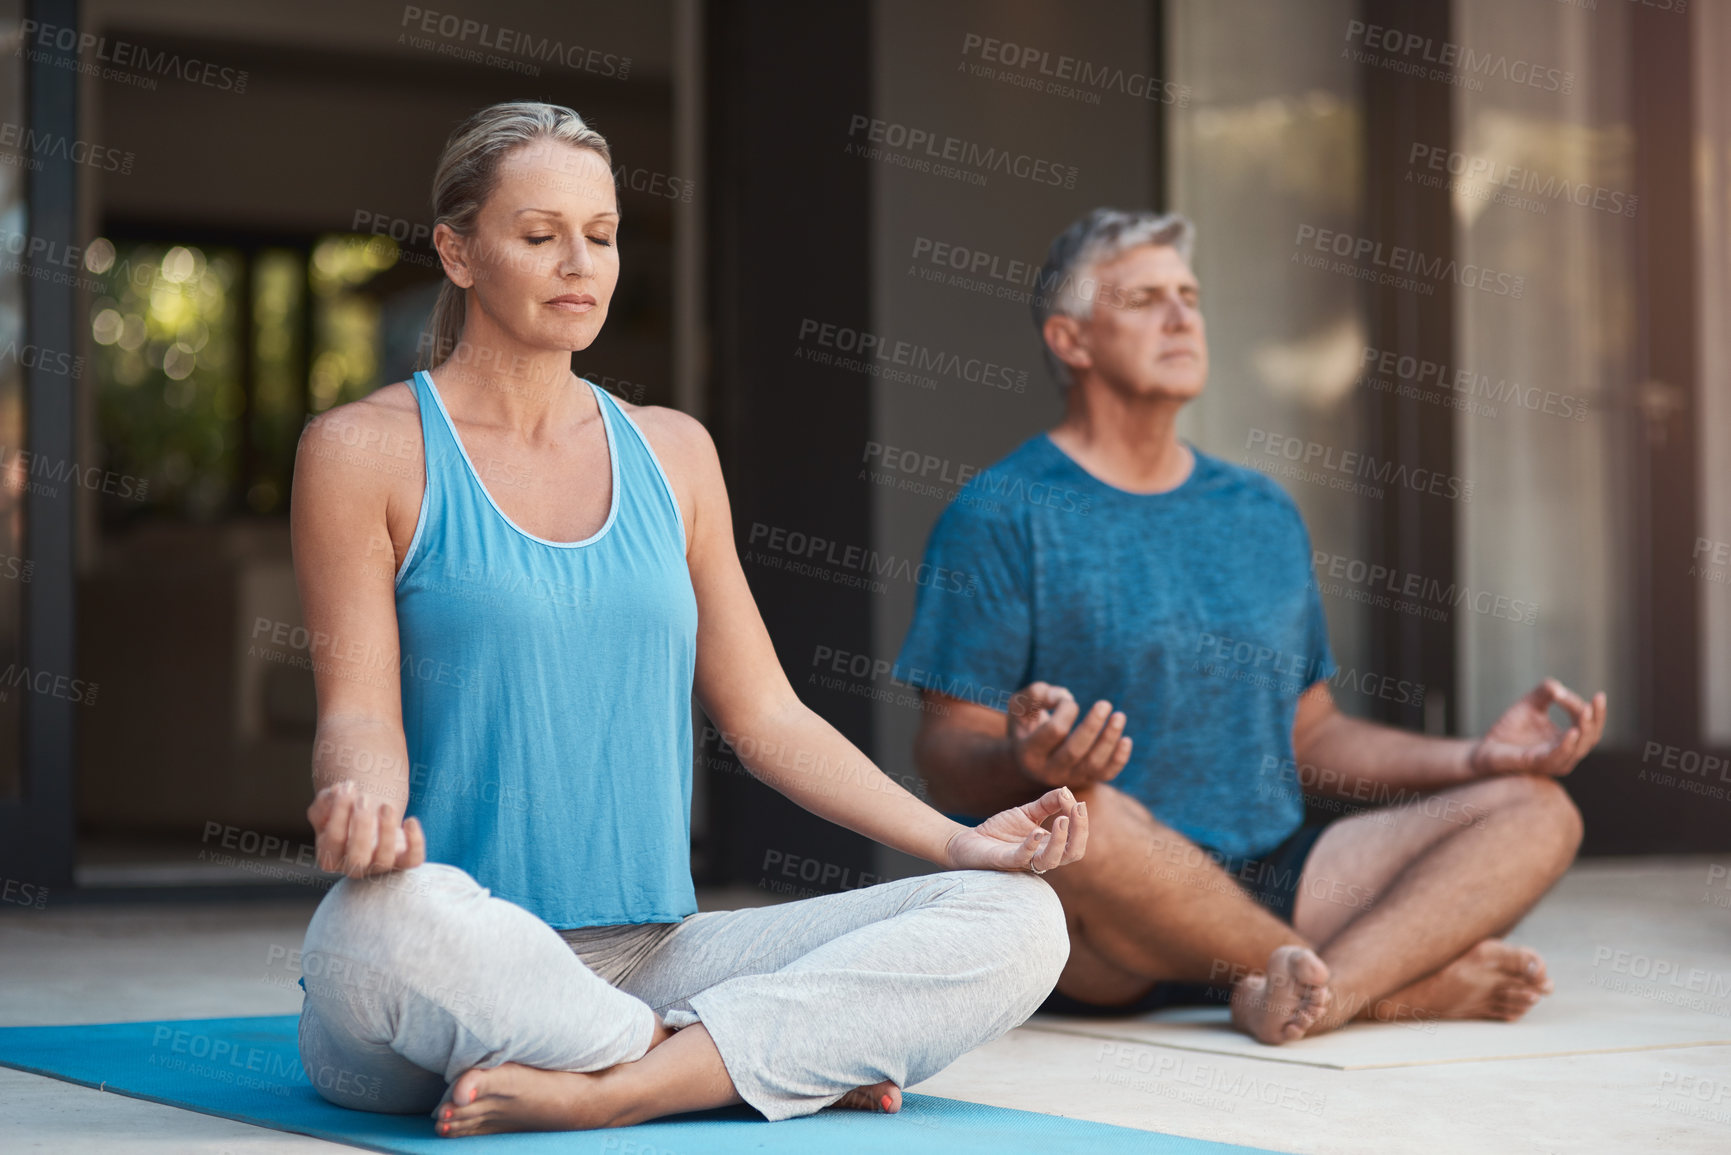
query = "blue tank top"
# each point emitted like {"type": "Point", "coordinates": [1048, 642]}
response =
{"type": "Point", "coordinates": [547, 687]}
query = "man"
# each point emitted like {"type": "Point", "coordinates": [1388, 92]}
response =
{"type": "Point", "coordinates": [1116, 564]}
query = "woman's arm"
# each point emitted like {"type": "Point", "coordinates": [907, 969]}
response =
{"type": "Point", "coordinates": [782, 742]}
{"type": "Point", "coordinates": [345, 570]}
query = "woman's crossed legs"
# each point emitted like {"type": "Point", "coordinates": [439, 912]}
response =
{"type": "Point", "coordinates": [418, 977]}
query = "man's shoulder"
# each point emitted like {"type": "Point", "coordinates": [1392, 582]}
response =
{"type": "Point", "coordinates": [1032, 460]}
{"type": "Point", "coordinates": [1250, 490]}
{"type": "Point", "coordinates": [983, 498]}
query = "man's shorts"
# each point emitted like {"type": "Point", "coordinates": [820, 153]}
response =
{"type": "Point", "coordinates": [1271, 880]}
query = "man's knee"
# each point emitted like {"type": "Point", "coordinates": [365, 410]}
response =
{"type": "Point", "coordinates": [1111, 802]}
{"type": "Point", "coordinates": [1553, 811]}
{"type": "Point", "coordinates": [1125, 837]}
{"type": "Point", "coordinates": [1119, 825]}
{"type": "Point", "coordinates": [1560, 811]}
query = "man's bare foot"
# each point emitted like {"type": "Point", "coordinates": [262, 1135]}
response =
{"type": "Point", "coordinates": [1492, 980]}
{"type": "Point", "coordinates": [512, 1097]}
{"type": "Point", "coordinates": [1285, 1001]}
{"type": "Point", "coordinates": [884, 1096]}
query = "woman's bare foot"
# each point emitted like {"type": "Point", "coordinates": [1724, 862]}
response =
{"type": "Point", "coordinates": [1493, 980]}
{"type": "Point", "coordinates": [1285, 1001]}
{"type": "Point", "coordinates": [512, 1097]}
{"type": "Point", "coordinates": [884, 1096]}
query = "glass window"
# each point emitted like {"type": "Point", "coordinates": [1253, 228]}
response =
{"type": "Point", "coordinates": [1710, 558]}
{"type": "Point", "coordinates": [1271, 144]}
{"type": "Point", "coordinates": [1548, 449]}
{"type": "Point", "coordinates": [15, 569]}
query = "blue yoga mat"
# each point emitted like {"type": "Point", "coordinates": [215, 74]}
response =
{"type": "Point", "coordinates": [249, 1069]}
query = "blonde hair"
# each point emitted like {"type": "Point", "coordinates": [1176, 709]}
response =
{"type": "Point", "coordinates": [468, 172]}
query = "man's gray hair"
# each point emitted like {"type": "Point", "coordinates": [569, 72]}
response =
{"type": "Point", "coordinates": [1066, 287]}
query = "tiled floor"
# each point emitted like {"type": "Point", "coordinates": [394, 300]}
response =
{"type": "Point", "coordinates": [1641, 948]}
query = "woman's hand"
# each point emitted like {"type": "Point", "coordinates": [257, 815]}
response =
{"type": "Point", "coordinates": [361, 834]}
{"type": "Point", "coordinates": [1017, 839]}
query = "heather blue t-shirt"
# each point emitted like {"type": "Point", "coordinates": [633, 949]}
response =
{"type": "Point", "coordinates": [1193, 611]}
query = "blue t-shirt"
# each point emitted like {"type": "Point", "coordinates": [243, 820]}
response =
{"type": "Point", "coordinates": [1192, 611]}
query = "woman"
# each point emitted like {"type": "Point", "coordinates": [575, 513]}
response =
{"type": "Point", "coordinates": [564, 574]}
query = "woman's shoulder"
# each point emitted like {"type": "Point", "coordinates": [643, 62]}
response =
{"type": "Point", "coordinates": [681, 442]}
{"type": "Point", "coordinates": [667, 421]}
{"type": "Point", "coordinates": [371, 438]}
{"type": "Point", "coordinates": [389, 409]}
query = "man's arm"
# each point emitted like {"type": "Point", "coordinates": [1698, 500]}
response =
{"type": "Point", "coordinates": [977, 760]}
{"type": "Point", "coordinates": [1346, 757]}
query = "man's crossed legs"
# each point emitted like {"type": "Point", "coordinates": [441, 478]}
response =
{"type": "Point", "coordinates": [1398, 915]}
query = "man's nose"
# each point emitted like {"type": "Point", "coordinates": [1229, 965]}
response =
{"type": "Point", "coordinates": [1181, 316]}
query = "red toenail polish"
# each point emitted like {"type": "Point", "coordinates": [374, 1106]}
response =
{"type": "Point", "coordinates": [886, 1101]}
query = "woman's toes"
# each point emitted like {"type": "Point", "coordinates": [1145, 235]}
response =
{"type": "Point", "coordinates": [464, 1091]}
{"type": "Point", "coordinates": [467, 1107]}
{"type": "Point", "coordinates": [884, 1097]}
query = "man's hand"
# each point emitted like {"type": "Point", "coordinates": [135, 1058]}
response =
{"type": "Point", "coordinates": [1016, 839]}
{"type": "Point", "coordinates": [1526, 741]}
{"type": "Point", "coordinates": [361, 834]}
{"type": "Point", "coordinates": [1051, 747]}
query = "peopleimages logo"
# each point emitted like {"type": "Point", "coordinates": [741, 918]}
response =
{"type": "Point", "coordinates": [927, 149]}
{"type": "Point", "coordinates": [1387, 587]}
{"type": "Point", "coordinates": [48, 144]}
{"type": "Point", "coordinates": [1496, 174]}
{"type": "Point", "coordinates": [1313, 460]}
{"type": "Point", "coordinates": [867, 348]}
{"type": "Point", "coordinates": [1418, 49]}
{"type": "Point", "coordinates": [122, 54]}
{"type": "Point", "coordinates": [1056, 74]}
{"type": "Point", "coordinates": [1402, 260]}
{"type": "Point", "coordinates": [796, 551]}
{"type": "Point", "coordinates": [483, 43]}
{"type": "Point", "coordinates": [1471, 385]}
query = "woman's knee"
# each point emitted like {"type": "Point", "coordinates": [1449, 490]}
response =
{"type": "Point", "coordinates": [1035, 916]}
{"type": "Point", "coordinates": [365, 916]}
{"type": "Point", "coordinates": [370, 938]}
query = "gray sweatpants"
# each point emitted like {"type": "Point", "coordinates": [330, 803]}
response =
{"type": "Point", "coordinates": [416, 976]}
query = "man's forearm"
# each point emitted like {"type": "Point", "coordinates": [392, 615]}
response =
{"type": "Point", "coordinates": [970, 772]}
{"type": "Point", "coordinates": [1363, 761]}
